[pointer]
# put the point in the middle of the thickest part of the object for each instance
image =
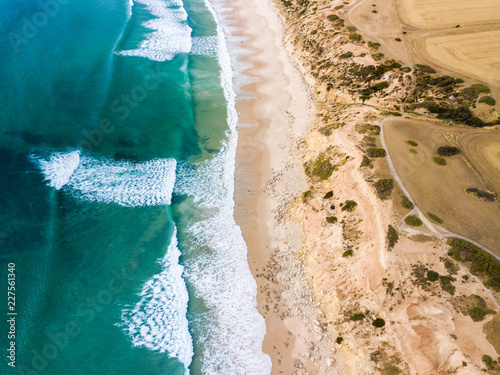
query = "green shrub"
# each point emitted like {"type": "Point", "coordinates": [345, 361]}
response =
{"type": "Point", "coordinates": [346, 55]}
{"type": "Point", "coordinates": [384, 187]}
{"type": "Point", "coordinates": [471, 93]}
{"type": "Point", "coordinates": [481, 194]}
{"type": "Point", "coordinates": [432, 275]}
{"type": "Point", "coordinates": [412, 143]}
{"type": "Point", "coordinates": [306, 194]}
{"type": "Point", "coordinates": [328, 195]}
{"type": "Point", "coordinates": [398, 39]}
{"type": "Point", "coordinates": [376, 152]}
{"type": "Point", "coordinates": [478, 314]}
{"type": "Point", "coordinates": [412, 151]}
{"type": "Point", "coordinates": [406, 203]}
{"type": "Point", "coordinates": [479, 262]}
{"type": "Point", "coordinates": [366, 162]}
{"type": "Point", "coordinates": [349, 206]}
{"type": "Point", "coordinates": [331, 219]}
{"type": "Point", "coordinates": [339, 340]}
{"type": "Point", "coordinates": [380, 86]}
{"type": "Point", "coordinates": [434, 218]}
{"type": "Point", "coordinates": [374, 11]}
{"type": "Point", "coordinates": [357, 317]}
{"type": "Point", "coordinates": [375, 46]}
{"type": "Point", "coordinates": [348, 253]}
{"type": "Point", "coordinates": [338, 7]}
{"type": "Point", "coordinates": [439, 161]}
{"type": "Point", "coordinates": [413, 221]}
{"type": "Point", "coordinates": [355, 36]}
{"type": "Point", "coordinates": [390, 113]}
{"type": "Point", "coordinates": [379, 323]}
{"type": "Point", "coordinates": [332, 17]}
{"type": "Point", "coordinates": [446, 284]}
{"type": "Point", "coordinates": [392, 236]}
{"type": "Point", "coordinates": [351, 29]}
{"type": "Point", "coordinates": [491, 365]}
{"type": "Point", "coordinates": [447, 150]}
{"type": "Point", "coordinates": [487, 100]}
{"type": "Point", "coordinates": [321, 168]}
{"type": "Point", "coordinates": [425, 69]}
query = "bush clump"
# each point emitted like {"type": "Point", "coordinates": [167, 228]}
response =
{"type": "Point", "coordinates": [376, 152]}
{"type": "Point", "coordinates": [379, 323]}
{"type": "Point", "coordinates": [328, 195]}
{"type": "Point", "coordinates": [447, 150]}
{"type": "Point", "coordinates": [380, 86]}
{"type": "Point", "coordinates": [413, 221]}
{"type": "Point", "coordinates": [384, 187]}
{"type": "Point", "coordinates": [366, 162]}
{"type": "Point", "coordinates": [349, 206]}
{"type": "Point", "coordinates": [412, 143]}
{"type": "Point", "coordinates": [487, 100]}
{"type": "Point", "coordinates": [332, 17]}
{"type": "Point", "coordinates": [306, 194]}
{"type": "Point", "coordinates": [406, 203]}
{"type": "Point", "coordinates": [392, 236]}
{"type": "Point", "coordinates": [446, 284]}
{"type": "Point", "coordinates": [491, 365]}
{"type": "Point", "coordinates": [439, 161]}
{"type": "Point", "coordinates": [435, 218]}
{"type": "Point", "coordinates": [321, 168]}
{"type": "Point", "coordinates": [432, 275]}
{"type": "Point", "coordinates": [471, 93]}
{"type": "Point", "coordinates": [481, 194]}
{"type": "Point", "coordinates": [331, 219]}
{"type": "Point", "coordinates": [348, 253]}
{"type": "Point", "coordinates": [339, 340]}
{"type": "Point", "coordinates": [355, 36]}
{"type": "Point", "coordinates": [425, 69]}
{"type": "Point", "coordinates": [357, 317]}
{"type": "Point", "coordinates": [479, 261]}
{"type": "Point", "coordinates": [478, 314]}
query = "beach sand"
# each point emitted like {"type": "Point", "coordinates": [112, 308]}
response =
{"type": "Point", "coordinates": [268, 173]}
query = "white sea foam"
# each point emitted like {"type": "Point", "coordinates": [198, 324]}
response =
{"type": "Point", "coordinates": [204, 45]}
{"type": "Point", "coordinates": [99, 179]}
{"type": "Point", "coordinates": [59, 167]}
{"type": "Point", "coordinates": [217, 265]}
{"type": "Point", "coordinates": [158, 321]}
{"type": "Point", "coordinates": [170, 34]}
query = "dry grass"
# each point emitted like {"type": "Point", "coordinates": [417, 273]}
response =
{"type": "Point", "coordinates": [472, 53]}
{"type": "Point", "coordinates": [441, 189]}
{"type": "Point", "coordinates": [429, 14]}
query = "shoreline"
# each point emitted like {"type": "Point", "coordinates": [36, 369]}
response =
{"type": "Point", "coordinates": [268, 176]}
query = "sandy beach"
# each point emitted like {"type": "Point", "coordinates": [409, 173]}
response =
{"type": "Point", "coordinates": [268, 175]}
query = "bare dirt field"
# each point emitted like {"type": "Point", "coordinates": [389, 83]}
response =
{"type": "Point", "coordinates": [440, 189]}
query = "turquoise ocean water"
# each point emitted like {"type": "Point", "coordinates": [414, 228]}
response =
{"type": "Point", "coordinates": [117, 153]}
